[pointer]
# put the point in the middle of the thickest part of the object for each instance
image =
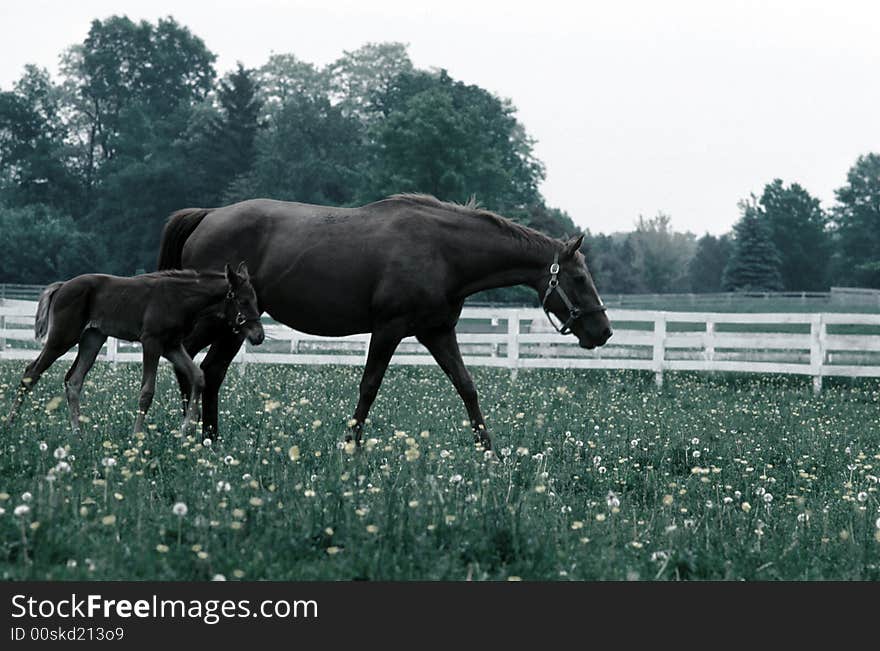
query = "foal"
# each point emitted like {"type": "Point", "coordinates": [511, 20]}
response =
{"type": "Point", "coordinates": [157, 309]}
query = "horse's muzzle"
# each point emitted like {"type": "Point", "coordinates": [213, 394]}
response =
{"type": "Point", "coordinates": [594, 342]}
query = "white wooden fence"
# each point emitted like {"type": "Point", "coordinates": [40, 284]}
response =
{"type": "Point", "coordinates": [815, 345]}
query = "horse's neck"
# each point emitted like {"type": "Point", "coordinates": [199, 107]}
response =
{"type": "Point", "coordinates": [504, 260]}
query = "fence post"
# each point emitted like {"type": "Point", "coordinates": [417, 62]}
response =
{"type": "Point", "coordinates": [513, 344]}
{"type": "Point", "coordinates": [710, 341]}
{"type": "Point", "coordinates": [113, 351]}
{"type": "Point", "coordinates": [659, 348]}
{"type": "Point", "coordinates": [817, 351]}
{"type": "Point", "coordinates": [2, 333]}
{"type": "Point", "coordinates": [241, 359]}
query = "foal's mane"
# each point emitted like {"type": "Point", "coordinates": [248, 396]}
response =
{"type": "Point", "coordinates": [182, 273]}
{"type": "Point", "coordinates": [472, 209]}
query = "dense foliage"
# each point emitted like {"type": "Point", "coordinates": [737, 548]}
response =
{"type": "Point", "coordinates": [140, 124]}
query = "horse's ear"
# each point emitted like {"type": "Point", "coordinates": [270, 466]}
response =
{"type": "Point", "coordinates": [242, 271]}
{"type": "Point", "coordinates": [572, 246]}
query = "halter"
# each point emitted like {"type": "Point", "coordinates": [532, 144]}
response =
{"type": "Point", "coordinates": [240, 319]}
{"type": "Point", "coordinates": [574, 312]}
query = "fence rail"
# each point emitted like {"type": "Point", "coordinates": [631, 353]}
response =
{"type": "Point", "coordinates": [816, 345]}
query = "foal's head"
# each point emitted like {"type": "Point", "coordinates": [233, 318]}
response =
{"type": "Point", "coordinates": [242, 313]}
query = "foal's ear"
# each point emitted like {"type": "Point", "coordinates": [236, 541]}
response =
{"type": "Point", "coordinates": [231, 277]}
{"type": "Point", "coordinates": [572, 246]}
{"type": "Point", "coordinates": [242, 271]}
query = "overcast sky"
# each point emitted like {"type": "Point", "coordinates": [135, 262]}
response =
{"type": "Point", "coordinates": [637, 106]}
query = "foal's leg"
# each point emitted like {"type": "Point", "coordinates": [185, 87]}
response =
{"type": "Point", "coordinates": [382, 346]}
{"type": "Point", "coordinates": [202, 334]}
{"type": "Point", "coordinates": [90, 343]}
{"type": "Point", "coordinates": [185, 367]}
{"type": "Point", "coordinates": [152, 351]}
{"type": "Point", "coordinates": [54, 348]}
{"type": "Point", "coordinates": [443, 346]}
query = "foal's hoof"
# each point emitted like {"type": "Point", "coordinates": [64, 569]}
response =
{"type": "Point", "coordinates": [481, 437]}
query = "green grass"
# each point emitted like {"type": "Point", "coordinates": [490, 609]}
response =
{"type": "Point", "coordinates": [419, 502]}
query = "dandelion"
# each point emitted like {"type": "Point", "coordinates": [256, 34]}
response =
{"type": "Point", "coordinates": [108, 520]}
{"type": "Point", "coordinates": [577, 524]}
{"type": "Point", "coordinates": [218, 577]}
{"type": "Point", "coordinates": [208, 443]}
{"type": "Point", "coordinates": [667, 500]}
{"type": "Point", "coordinates": [602, 470]}
{"type": "Point", "coordinates": [695, 441]}
{"type": "Point", "coordinates": [333, 550]}
{"type": "Point", "coordinates": [179, 509]}
{"type": "Point", "coordinates": [256, 501]}
{"type": "Point", "coordinates": [768, 497]}
{"type": "Point", "coordinates": [746, 507]}
{"type": "Point", "coordinates": [21, 510]}
{"type": "Point", "coordinates": [862, 496]}
{"type": "Point", "coordinates": [412, 454]}
{"type": "Point", "coordinates": [612, 500]}
{"type": "Point", "coordinates": [600, 517]}
{"type": "Point", "coordinates": [522, 451]}
{"type": "Point", "coordinates": [514, 578]}
{"type": "Point", "coordinates": [108, 462]}
{"type": "Point", "coordinates": [372, 528]}
{"type": "Point", "coordinates": [59, 453]}
{"type": "Point", "coordinates": [43, 446]}
{"type": "Point", "coordinates": [26, 497]}
{"type": "Point", "coordinates": [877, 523]}
{"type": "Point", "coordinates": [162, 549]}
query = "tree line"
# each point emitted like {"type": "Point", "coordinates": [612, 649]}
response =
{"type": "Point", "coordinates": [139, 124]}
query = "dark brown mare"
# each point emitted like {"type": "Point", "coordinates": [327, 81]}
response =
{"type": "Point", "coordinates": [398, 267]}
{"type": "Point", "coordinates": [156, 309]}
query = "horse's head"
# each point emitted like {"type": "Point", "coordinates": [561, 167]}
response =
{"type": "Point", "coordinates": [568, 292]}
{"type": "Point", "coordinates": [242, 313]}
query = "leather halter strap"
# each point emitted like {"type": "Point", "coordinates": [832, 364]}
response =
{"type": "Point", "coordinates": [574, 312]}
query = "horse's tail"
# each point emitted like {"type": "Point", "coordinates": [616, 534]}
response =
{"type": "Point", "coordinates": [177, 229]}
{"type": "Point", "coordinates": [41, 324]}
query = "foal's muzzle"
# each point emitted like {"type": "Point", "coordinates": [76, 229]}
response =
{"type": "Point", "coordinates": [254, 333]}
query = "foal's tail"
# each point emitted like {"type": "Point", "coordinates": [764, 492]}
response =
{"type": "Point", "coordinates": [41, 325]}
{"type": "Point", "coordinates": [177, 229]}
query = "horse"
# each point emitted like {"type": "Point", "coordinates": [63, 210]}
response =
{"type": "Point", "coordinates": [399, 267]}
{"type": "Point", "coordinates": [157, 309]}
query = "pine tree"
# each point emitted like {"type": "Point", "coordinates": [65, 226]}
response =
{"type": "Point", "coordinates": [754, 262]}
{"type": "Point", "coordinates": [706, 268]}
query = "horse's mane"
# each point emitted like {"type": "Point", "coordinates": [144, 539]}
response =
{"type": "Point", "coordinates": [472, 209]}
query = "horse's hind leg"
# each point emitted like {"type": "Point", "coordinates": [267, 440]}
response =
{"type": "Point", "coordinates": [148, 382]}
{"type": "Point", "coordinates": [90, 344]}
{"type": "Point", "coordinates": [184, 366]}
{"type": "Point", "coordinates": [51, 352]}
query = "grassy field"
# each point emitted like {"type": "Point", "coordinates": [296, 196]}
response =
{"type": "Point", "coordinates": [597, 476]}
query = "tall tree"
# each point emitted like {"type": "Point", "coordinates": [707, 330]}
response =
{"type": "Point", "coordinates": [798, 229]}
{"type": "Point", "coordinates": [34, 164]}
{"type": "Point", "coordinates": [706, 268]}
{"type": "Point", "coordinates": [130, 82]}
{"type": "Point", "coordinates": [754, 263]}
{"type": "Point", "coordinates": [359, 80]}
{"type": "Point", "coordinates": [662, 255]}
{"type": "Point", "coordinates": [453, 140]}
{"type": "Point", "coordinates": [309, 152]}
{"type": "Point", "coordinates": [283, 77]}
{"type": "Point", "coordinates": [857, 221]}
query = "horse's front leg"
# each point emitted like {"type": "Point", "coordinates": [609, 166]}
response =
{"type": "Point", "coordinates": [443, 346]}
{"type": "Point", "coordinates": [152, 351]}
{"type": "Point", "coordinates": [383, 343]}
